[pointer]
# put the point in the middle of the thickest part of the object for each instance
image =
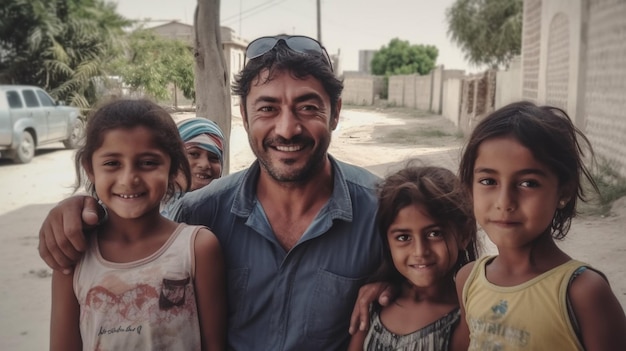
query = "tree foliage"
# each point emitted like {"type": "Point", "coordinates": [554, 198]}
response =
{"type": "Point", "coordinates": [60, 45]}
{"type": "Point", "coordinates": [400, 57]}
{"type": "Point", "coordinates": [488, 31]}
{"type": "Point", "coordinates": [151, 63]}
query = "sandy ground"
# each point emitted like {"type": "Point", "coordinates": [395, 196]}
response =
{"type": "Point", "coordinates": [381, 141]}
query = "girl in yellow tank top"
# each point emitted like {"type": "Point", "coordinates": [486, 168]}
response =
{"type": "Point", "coordinates": [523, 165]}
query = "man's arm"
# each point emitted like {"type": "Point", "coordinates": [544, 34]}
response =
{"type": "Point", "coordinates": [61, 237]}
{"type": "Point", "coordinates": [360, 318]}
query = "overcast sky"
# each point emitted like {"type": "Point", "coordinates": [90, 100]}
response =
{"type": "Point", "coordinates": [347, 25]}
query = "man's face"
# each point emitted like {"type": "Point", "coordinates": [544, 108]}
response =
{"type": "Point", "coordinates": [289, 123]}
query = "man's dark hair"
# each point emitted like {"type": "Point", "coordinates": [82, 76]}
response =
{"type": "Point", "coordinates": [282, 59]}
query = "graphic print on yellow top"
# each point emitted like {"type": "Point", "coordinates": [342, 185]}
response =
{"type": "Point", "coordinates": [529, 316]}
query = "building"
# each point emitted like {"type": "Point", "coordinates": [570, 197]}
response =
{"type": "Point", "coordinates": [233, 46]}
{"type": "Point", "coordinates": [175, 30]}
{"type": "Point", "coordinates": [365, 60]}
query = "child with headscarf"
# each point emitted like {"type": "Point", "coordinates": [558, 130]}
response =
{"type": "Point", "coordinates": [204, 146]}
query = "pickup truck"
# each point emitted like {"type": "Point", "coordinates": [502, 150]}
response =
{"type": "Point", "coordinates": [29, 118]}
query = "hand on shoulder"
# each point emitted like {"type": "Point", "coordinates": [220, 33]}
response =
{"type": "Point", "coordinates": [62, 233]}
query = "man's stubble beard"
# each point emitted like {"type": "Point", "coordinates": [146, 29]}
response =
{"type": "Point", "coordinates": [313, 166]}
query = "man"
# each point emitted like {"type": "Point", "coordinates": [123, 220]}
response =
{"type": "Point", "coordinates": [296, 228]}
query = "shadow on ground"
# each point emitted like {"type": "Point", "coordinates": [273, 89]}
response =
{"type": "Point", "coordinates": [38, 152]}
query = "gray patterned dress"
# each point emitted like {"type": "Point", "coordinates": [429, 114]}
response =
{"type": "Point", "coordinates": [433, 337]}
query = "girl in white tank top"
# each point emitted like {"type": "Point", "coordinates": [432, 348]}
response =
{"type": "Point", "coordinates": [144, 282]}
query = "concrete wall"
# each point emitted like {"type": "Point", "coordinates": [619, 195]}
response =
{"type": "Point", "coordinates": [409, 93]}
{"type": "Point", "coordinates": [395, 90]}
{"type": "Point", "coordinates": [415, 91]}
{"type": "Point", "coordinates": [361, 89]}
{"type": "Point", "coordinates": [436, 90]}
{"type": "Point", "coordinates": [423, 92]}
{"type": "Point", "coordinates": [451, 102]}
{"type": "Point", "coordinates": [452, 89]}
{"type": "Point", "coordinates": [509, 84]}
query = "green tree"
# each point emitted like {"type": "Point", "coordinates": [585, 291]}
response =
{"type": "Point", "coordinates": [400, 57]}
{"type": "Point", "coordinates": [151, 63]}
{"type": "Point", "coordinates": [489, 32]}
{"type": "Point", "coordinates": [60, 45]}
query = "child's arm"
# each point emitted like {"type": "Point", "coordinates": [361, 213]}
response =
{"type": "Point", "coordinates": [460, 335]}
{"type": "Point", "coordinates": [65, 316]}
{"type": "Point", "coordinates": [210, 285]}
{"type": "Point", "coordinates": [357, 340]}
{"type": "Point", "coordinates": [598, 312]}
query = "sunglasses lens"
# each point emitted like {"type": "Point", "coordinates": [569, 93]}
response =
{"type": "Point", "coordinates": [301, 44]}
{"type": "Point", "coordinates": [260, 46]}
{"type": "Point", "coordinates": [304, 45]}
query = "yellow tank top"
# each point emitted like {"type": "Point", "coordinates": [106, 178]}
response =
{"type": "Point", "coordinates": [529, 316]}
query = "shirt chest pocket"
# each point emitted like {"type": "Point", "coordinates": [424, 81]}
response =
{"type": "Point", "coordinates": [332, 301]}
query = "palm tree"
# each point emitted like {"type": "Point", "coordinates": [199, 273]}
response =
{"type": "Point", "coordinates": [60, 45]}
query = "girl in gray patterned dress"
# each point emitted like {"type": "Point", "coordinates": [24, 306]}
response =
{"type": "Point", "coordinates": [428, 231]}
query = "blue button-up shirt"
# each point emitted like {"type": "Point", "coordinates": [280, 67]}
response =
{"type": "Point", "coordinates": [301, 299]}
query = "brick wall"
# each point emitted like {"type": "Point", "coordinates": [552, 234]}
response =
{"type": "Point", "coordinates": [531, 43]}
{"type": "Point", "coordinates": [557, 71]}
{"type": "Point", "coordinates": [605, 93]}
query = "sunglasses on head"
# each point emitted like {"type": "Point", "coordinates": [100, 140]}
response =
{"type": "Point", "coordinates": [298, 43]}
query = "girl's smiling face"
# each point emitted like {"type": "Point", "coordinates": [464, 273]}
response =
{"type": "Point", "coordinates": [421, 251]}
{"type": "Point", "coordinates": [130, 172]}
{"type": "Point", "coordinates": [205, 166]}
{"type": "Point", "coordinates": [515, 196]}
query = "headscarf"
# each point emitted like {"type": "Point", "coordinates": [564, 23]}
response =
{"type": "Point", "coordinates": [202, 133]}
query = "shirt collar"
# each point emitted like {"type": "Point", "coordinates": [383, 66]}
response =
{"type": "Point", "coordinates": [339, 205]}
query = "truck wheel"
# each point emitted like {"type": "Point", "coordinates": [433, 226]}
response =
{"type": "Point", "coordinates": [75, 136]}
{"type": "Point", "coordinates": [25, 150]}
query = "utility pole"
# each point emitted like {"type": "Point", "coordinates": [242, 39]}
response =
{"type": "Point", "coordinates": [319, 21]}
